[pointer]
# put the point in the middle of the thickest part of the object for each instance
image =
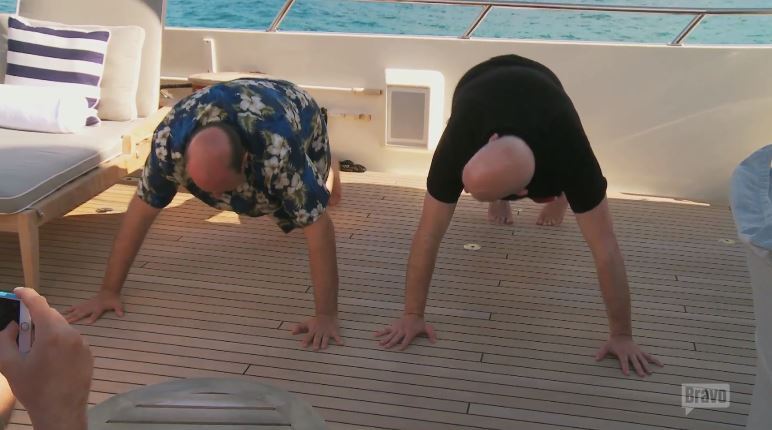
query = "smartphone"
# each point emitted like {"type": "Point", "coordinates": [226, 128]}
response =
{"type": "Point", "coordinates": [12, 309]}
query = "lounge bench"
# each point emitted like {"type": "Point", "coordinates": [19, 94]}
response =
{"type": "Point", "coordinates": [44, 176]}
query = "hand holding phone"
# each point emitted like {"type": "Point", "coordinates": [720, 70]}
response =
{"type": "Point", "coordinates": [54, 378]}
{"type": "Point", "coordinates": [14, 310]}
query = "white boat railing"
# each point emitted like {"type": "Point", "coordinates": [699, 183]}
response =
{"type": "Point", "coordinates": [697, 14]}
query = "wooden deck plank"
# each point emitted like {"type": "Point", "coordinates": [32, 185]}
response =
{"type": "Point", "coordinates": [485, 340]}
{"type": "Point", "coordinates": [482, 342]}
{"type": "Point", "coordinates": [399, 382]}
{"type": "Point", "coordinates": [544, 243]}
{"type": "Point", "coordinates": [524, 285]}
{"type": "Point", "coordinates": [453, 326]}
{"type": "Point", "coordinates": [523, 254]}
{"type": "Point", "coordinates": [478, 373]}
{"type": "Point", "coordinates": [304, 305]}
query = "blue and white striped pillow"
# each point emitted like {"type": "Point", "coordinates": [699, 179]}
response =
{"type": "Point", "coordinates": [57, 57]}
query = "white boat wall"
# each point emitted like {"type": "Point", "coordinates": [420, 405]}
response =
{"type": "Point", "coordinates": [670, 121]}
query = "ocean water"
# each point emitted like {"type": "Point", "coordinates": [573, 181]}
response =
{"type": "Point", "coordinates": [365, 17]}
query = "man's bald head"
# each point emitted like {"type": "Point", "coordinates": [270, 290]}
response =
{"type": "Point", "coordinates": [214, 158]}
{"type": "Point", "coordinates": [501, 168]}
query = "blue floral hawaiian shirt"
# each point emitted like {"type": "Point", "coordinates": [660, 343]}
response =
{"type": "Point", "coordinates": [288, 151]}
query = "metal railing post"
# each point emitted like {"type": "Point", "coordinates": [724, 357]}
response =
{"type": "Point", "coordinates": [678, 41]}
{"type": "Point", "coordinates": [280, 16]}
{"type": "Point", "coordinates": [477, 22]}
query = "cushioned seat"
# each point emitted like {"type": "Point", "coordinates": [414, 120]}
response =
{"type": "Point", "coordinates": [36, 168]}
{"type": "Point", "coordinates": [34, 165]}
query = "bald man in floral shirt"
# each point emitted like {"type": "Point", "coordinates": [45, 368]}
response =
{"type": "Point", "coordinates": [252, 146]}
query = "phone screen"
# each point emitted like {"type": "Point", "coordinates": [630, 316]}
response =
{"type": "Point", "coordinates": [9, 311]}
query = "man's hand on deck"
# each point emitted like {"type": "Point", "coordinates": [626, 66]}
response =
{"type": "Point", "coordinates": [319, 330]}
{"type": "Point", "coordinates": [95, 307]}
{"type": "Point", "coordinates": [404, 330]}
{"type": "Point", "coordinates": [627, 351]}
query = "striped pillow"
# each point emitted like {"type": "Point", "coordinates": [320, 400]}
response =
{"type": "Point", "coordinates": [57, 57]}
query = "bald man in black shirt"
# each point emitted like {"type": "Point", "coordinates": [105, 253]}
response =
{"type": "Point", "coordinates": [514, 133]}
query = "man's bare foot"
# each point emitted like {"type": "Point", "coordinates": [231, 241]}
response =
{"type": "Point", "coordinates": [500, 212]}
{"type": "Point", "coordinates": [553, 212]}
{"type": "Point", "coordinates": [334, 184]}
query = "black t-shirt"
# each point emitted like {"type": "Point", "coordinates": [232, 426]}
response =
{"type": "Point", "coordinates": [512, 95]}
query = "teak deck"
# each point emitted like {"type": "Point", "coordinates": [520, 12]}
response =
{"type": "Point", "coordinates": [519, 320]}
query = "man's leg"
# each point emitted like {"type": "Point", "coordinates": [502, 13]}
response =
{"type": "Point", "coordinates": [333, 182]}
{"type": "Point", "coordinates": [500, 212]}
{"type": "Point", "coordinates": [553, 212]}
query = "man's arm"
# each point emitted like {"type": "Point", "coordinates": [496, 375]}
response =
{"type": "Point", "coordinates": [322, 257]}
{"type": "Point", "coordinates": [435, 219]}
{"type": "Point", "coordinates": [597, 229]}
{"type": "Point", "coordinates": [134, 227]}
{"type": "Point", "coordinates": [323, 261]}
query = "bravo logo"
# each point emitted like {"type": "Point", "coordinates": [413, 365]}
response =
{"type": "Point", "coordinates": [711, 396]}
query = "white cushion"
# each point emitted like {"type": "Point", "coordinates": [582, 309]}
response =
{"type": "Point", "coordinates": [120, 81]}
{"type": "Point", "coordinates": [57, 56]}
{"type": "Point", "coordinates": [34, 165]}
{"type": "Point", "coordinates": [122, 67]}
{"type": "Point", "coordinates": [44, 109]}
{"type": "Point", "coordinates": [147, 14]}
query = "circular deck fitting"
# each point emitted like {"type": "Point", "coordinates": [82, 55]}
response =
{"type": "Point", "coordinates": [472, 247]}
{"type": "Point", "coordinates": [727, 241]}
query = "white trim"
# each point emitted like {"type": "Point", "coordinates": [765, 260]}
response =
{"type": "Point", "coordinates": [91, 91]}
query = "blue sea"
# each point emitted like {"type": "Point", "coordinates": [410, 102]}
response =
{"type": "Point", "coordinates": [363, 17]}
